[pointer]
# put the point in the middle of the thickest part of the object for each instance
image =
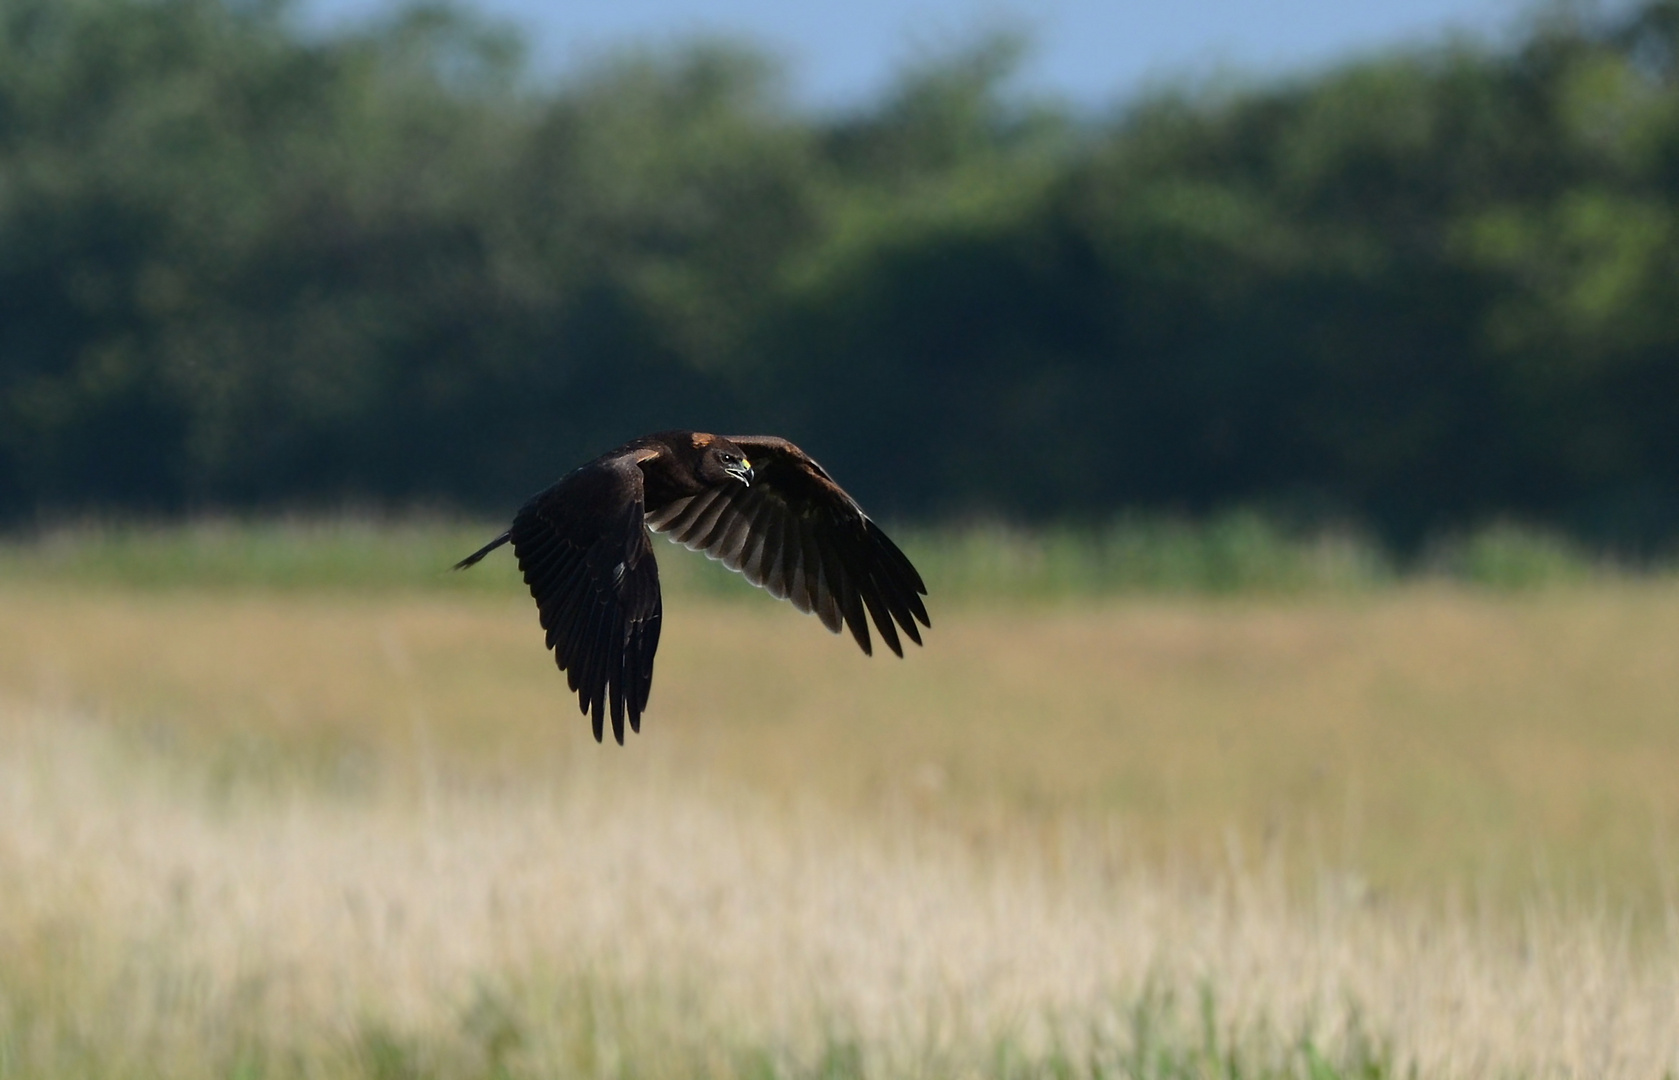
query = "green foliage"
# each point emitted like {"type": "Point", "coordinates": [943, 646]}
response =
{"type": "Point", "coordinates": [354, 554]}
{"type": "Point", "coordinates": [1504, 556]}
{"type": "Point", "coordinates": [586, 1028]}
{"type": "Point", "coordinates": [1237, 554]}
{"type": "Point", "coordinates": [1240, 552]}
{"type": "Point", "coordinates": [242, 266]}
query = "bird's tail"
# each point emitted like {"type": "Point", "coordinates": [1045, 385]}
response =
{"type": "Point", "coordinates": [472, 559]}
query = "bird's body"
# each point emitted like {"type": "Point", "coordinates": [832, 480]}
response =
{"type": "Point", "coordinates": [758, 504]}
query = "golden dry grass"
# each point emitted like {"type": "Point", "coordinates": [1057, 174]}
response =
{"type": "Point", "coordinates": [598, 925]}
{"type": "Point", "coordinates": [307, 833]}
{"type": "Point", "coordinates": [1422, 737]}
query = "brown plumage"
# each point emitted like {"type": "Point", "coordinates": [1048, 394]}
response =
{"type": "Point", "coordinates": [757, 503]}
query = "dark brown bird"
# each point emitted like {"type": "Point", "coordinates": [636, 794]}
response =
{"type": "Point", "coordinates": [756, 503]}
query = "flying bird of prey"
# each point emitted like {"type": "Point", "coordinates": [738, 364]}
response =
{"type": "Point", "coordinates": [758, 504]}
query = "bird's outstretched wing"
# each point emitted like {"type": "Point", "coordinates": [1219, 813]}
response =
{"type": "Point", "coordinates": [590, 568]}
{"type": "Point", "coordinates": [797, 534]}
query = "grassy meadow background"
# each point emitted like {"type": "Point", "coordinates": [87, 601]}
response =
{"type": "Point", "coordinates": [292, 799]}
{"type": "Point", "coordinates": [1301, 766]}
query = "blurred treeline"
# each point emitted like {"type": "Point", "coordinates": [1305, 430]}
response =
{"type": "Point", "coordinates": [243, 265]}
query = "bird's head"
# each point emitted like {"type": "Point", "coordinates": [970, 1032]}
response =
{"type": "Point", "coordinates": [723, 460]}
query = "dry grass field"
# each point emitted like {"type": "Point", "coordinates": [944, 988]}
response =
{"type": "Point", "coordinates": [251, 831]}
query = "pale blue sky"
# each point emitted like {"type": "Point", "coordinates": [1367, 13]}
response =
{"type": "Point", "coordinates": [1095, 52]}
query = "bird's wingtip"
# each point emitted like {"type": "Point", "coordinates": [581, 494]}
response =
{"type": "Point", "coordinates": [476, 556]}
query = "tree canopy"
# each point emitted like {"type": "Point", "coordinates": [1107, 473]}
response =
{"type": "Point", "coordinates": [243, 265]}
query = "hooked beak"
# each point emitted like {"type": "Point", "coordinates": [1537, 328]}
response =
{"type": "Point", "coordinates": [741, 472]}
